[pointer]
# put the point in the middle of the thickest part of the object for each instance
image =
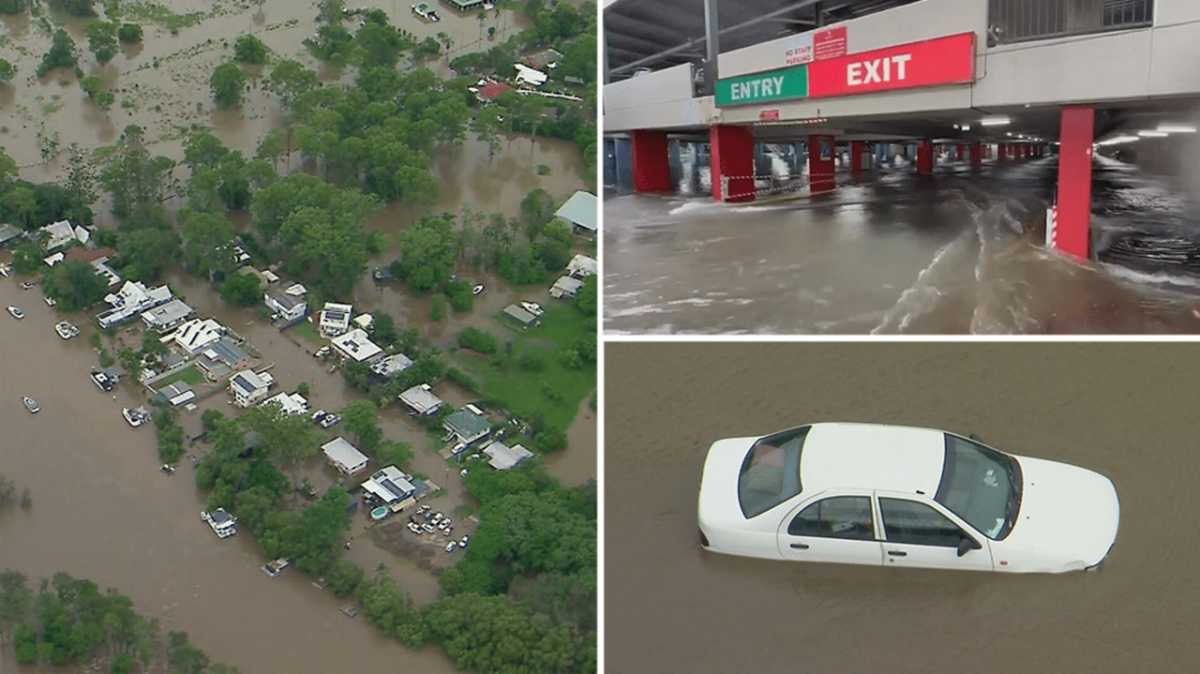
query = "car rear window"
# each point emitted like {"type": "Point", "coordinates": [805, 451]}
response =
{"type": "Point", "coordinates": [770, 473]}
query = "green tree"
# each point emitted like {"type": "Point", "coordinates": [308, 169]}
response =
{"type": "Point", "coordinates": [250, 49]}
{"type": "Point", "coordinates": [585, 299]}
{"type": "Point", "coordinates": [537, 208]}
{"type": "Point", "coordinates": [290, 79]}
{"type": "Point", "coordinates": [361, 419]}
{"type": "Point", "coordinates": [379, 45]}
{"type": "Point", "coordinates": [146, 252]}
{"type": "Point", "coordinates": [7, 71]}
{"type": "Point", "coordinates": [136, 180]}
{"type": "Point", "coordinates": [13, 6]}
{"type": "Point", "coordinates": [74, 285]}
{"type": "Point", "coordinates": [61, 54]}
{"type": "Point", "coordinates": [226, 83]}
{"type": "Point", "coordinates": [76, 7]}
{"type": "Point", "coordinates": [243, 290]}
{"type": "Point", "coordinates": [207, 243]}
{"type": "Point", "coordinates": [429, 248]}
{"type": "Point", "coordinates": [129, 33]}
{"type": "Point", "coordinates": [285, 438]}
{"type": "Point", "coordinates": [20, 203]}
{"type": "Point", "coordinates": [477, 340]}
{"type": "Point", "coordinates": [102, 40]}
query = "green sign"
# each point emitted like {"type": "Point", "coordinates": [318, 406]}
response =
{"type": "Point", "coordinates": [776, 85]}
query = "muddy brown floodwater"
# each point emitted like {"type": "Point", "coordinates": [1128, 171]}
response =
{"type": "Point", "coordinates": [103, 511]}
{"type": "Point", "coordinates": [1120, 409]}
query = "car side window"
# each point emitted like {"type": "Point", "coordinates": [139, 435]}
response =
{"type": "Point", "coordinates": [836, 517]}
{"type": "Point", "coordinates": [917, 524]}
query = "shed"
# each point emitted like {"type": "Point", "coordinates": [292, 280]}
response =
{"type": "Point", "coordinates": [581, 211]}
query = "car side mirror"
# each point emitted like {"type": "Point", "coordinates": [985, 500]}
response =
{"type": "Point", "coordinates": [967, 544]}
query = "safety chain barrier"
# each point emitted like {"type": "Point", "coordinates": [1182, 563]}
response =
{"type": "Point", "coordinates": [777, 184]}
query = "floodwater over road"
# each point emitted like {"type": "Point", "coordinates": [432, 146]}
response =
{"type": "Point", "coordinates": [895, 253]}
{"type": "Point", "coordinates": [1113, 408]}
{"type": "Point", "coordinates": [102, 510]}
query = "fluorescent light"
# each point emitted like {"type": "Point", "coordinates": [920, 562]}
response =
{"type": "Point", "coordinates": [995, 121]}
{"type": "Point", "coordinates": [1119, 140]}
{"type": "Point", "coordinates": [966, 127]}
{"type": "Point", "coordinates": [1153, 134]}
{"type": "Point", "coordinates": [1176, 128]}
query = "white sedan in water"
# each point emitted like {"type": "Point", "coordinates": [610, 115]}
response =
{"type": "Point", "coordinates": [902, 497]}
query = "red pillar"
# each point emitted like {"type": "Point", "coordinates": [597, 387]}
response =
{"type": "Point", "coordinates": [976, 155]}
{"type": "Point", "coordinates": [731, 150]}
{"type": "Point", "coordinates": [960, 152]}
{"type": "Point", "coordinates": [1075, 180]}
{"type": "Point", "coordinates": [925, 157]}
{"type": "Point", "coordinates": [651, 172]}
{"type": "Point", "coordinates": [857, 147]}
{"type": "Point", "coordinates": [820, 164]}
{"type": "Point", "coordinates": [1002, 151]}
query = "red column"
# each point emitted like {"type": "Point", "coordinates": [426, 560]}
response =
{"type": "Point", "coordinates": [976, 155]}
{"type": "Point", "coordinates": [960, 152]}
{"type": "Point", "coordinates": [651, 172]}
{"type": "Point", "coordinates": [820, 164]}
{"type": "Point", "coordinates": [1003, 150]}
{"type": "Point", "coordinates": [925, 157]}
{"type": "Point", "coordinates": [1028, 150]}
{"type": "Point", "coordinates": [1076, 134]}
{"type": "Point", "coordinates": [732, 155]}
{"type": "Point", "coordinates": [857, 147]}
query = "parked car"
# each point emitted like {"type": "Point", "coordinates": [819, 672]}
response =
{"type": "Point", "coordinates": [415, 528]}
{"type": "Point", "coordinates": [16, 312]}
{"type": "Point", "coordinates": [450, 546]}
{"type": "Point", "coordinates": [322, 352]}
{"type": "Point", "coordinates": [902, 497]}
{"type": "Point", "coordinates": [49, 301]}
{"type": "Point", "coordinates": [478, 289]}
{"type": "Point", "coordinates": [462, 542]}
{"type": "Point", "coordinates": [437, 517]}
{"type": "Point", "coordinates": [31, 405]}
{"type": "Point", "coordinates": [428, 528]}
{"type": "Point", "coordinates": [330, 420]}
{"type": "Point", "coordinates": [28, 285]}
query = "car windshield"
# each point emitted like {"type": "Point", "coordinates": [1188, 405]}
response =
{"type": "Point", "coordinates": [980, 485]}
{"type": "Point", "coordinates": [771, 471]}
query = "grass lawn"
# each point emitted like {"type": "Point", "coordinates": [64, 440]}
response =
{"type": "Point", "coordinates": [553, 392]}
{"type": "Point", "coordinates": [306, 330]}
{"type": "Point", "coordinates": [189, 374]}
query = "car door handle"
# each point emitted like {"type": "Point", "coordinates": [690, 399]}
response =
{"type": "Point", "coordinates": [800, 546]}
{"type": "Point", "coordinates": [897, 553]}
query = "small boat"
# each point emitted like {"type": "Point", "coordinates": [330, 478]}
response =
{"type": "Point", "coordinates": [274, 568]}
{"type": "Point", "coordinates": [31, 405]}
{"type": "Point", "coordinates": [135, 416]}
{"type": "Point", "coordinates": [16, 312]}
{"type": "Point", "coordinates": [66, 330]}
{"type": "Point", "coordinates": [380, 512]}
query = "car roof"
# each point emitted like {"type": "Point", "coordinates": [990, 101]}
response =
{"type": "Point", "coordinates": [872, 456]}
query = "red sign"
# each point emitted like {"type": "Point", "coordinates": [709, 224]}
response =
{"type": "Point", "coordinates": [768, 116]}
{"type": "Point", "coordinates": [829, 43]}
{"type": "Point", "coordinates": [943, 60]}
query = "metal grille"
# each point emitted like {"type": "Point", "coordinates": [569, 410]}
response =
{"type": "Point", "coordinates": [1020, 20]}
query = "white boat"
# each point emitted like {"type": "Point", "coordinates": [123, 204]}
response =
{"type": "Point", "coordinates": [274, 568]}
{"type": "Point", "coordinates": [223, 524]}
{"type": "Point", "coordinates": [31, 405]}
{"type": "Point", "coordinates": [135, 416]}
{"type": "Point", "coordinates": [66, 330]}
{"type": "Point", "coordinates": [16, 312]}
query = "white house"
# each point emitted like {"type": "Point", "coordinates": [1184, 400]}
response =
{"type": "Point", "coordinates": [530, 76]}
{"type": "Point", "coordinates": [132, 299]}
{"type": "Point", "coordinates": [364, 321]}
{"type": "Point", "coordinates": [287, 307]}
{"type": "Point", "coordinates": [335, 319]}
{"type": "Point", "coordinates": [61, 234]}
{"type": "Point", "coordinates": [344, 456]}
{"type": "Point", "coordinates": [249, 387]}
{"type": "Point", "coordinates": [177, 394]}
{"type": "Point", "coordinates": [565, 286]}
{"type": "Point", "coordinates": [582, 212]}
{"type": "Point", "coordinates": [391, 365]}
{"type": "Point", "coordinates": [166, 317]}
{"type": "Point", "coordinates": [503, 457]}
{"type": "Point", "coordinates": [420, 399]}
{"type": "Point", "coordinates": [391, 486]}
{"type": "Point", "coordinates": [582, 266]}
{"type": "Point", "coordinates": [198, 333]}
{"type": "Point", "coordinates": [356, 346]}
{"type": "Point", "coordinates": [292, 404]}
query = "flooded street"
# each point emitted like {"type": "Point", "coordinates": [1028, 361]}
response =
{"type": "Point", "coordinates": [102, 510]}
{"type": "Point", "coordinates": [1113, 408]}
{"type": "Point", "coordinates": [895, 253]}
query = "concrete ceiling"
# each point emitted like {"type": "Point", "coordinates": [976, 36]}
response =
{"type": "Point", "coordinates": [639, 31]}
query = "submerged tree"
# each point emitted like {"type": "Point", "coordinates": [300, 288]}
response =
{"type": "Point", "coordinates": [226, 83]}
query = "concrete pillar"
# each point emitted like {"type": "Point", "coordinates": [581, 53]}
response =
{"type": "Point", "coordinates": [1076, 134]}
{"type": "Point", "coordinates": [732, 157]}
{"type": "Point", "coordinates": [712, 46]}
{"type": "Point", "coordinates": [925, 157]}
{"type": "Point", "coordinates": [857, 148]}
{"type": "Point", "coordinates": [820, 164]}
{"type": "Point", "coordinates": [651, 170]}
{"type": "Point", "coordinates": [976, 155]}
{"type": "Point", "coordinates": [1002, 151]}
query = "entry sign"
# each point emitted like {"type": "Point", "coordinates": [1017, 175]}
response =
{"type": "Point", "coordinates": [946, 60]}
{"type": "Point", "coordinates": [774, 85]}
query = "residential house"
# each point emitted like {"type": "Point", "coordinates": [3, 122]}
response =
{"type": "Point", "coordinates": [491, 91]}
{"type": "Point", "coordinates": [292, 404]}
{"type": "Point", "coordinates": [392, 487]}
{"type": "Point", "coordinates": [335, 319]}
{"type": "Point", "coordinates": [521, 317]}
{"type": "Point", "coordinates": [464, 6]}
{"type": "Point", "coordinates": [343, 456]}
{"type": "Point", "coordinates": [581, 212]}
{"type": "Point", "coordinates": [62, 234]}
{"type": "Point", "coordinates": [502, 457]}
{"type": "Point", "coordinates": [198, 333]}
{"type": "Point", "coordinates": [391, 366]}
{"type": "Point", "coordinates": [356, 346]}
{"type": "Point", "coordinates": [421, 400]}
{"type": "Point", "coordinates": [466, 426]}
{"type": "Point", "coordinates": [248, 387]}
{"type": "Point", "coordinates": [529, 76]}
{"type": "Point", "coordinates": [179, 393]}
{"type": "Point", "coordinates": [131, 300]}
{"type": "Point", "coordinates": [289, 308]}
{"type": "Point", "coordinates": [221, 358]}
{"type": "Point", "coordinates": [166, 317]}
{"type": "Point", "coordinates": [582, 266]}
{"type": "Point", "coordinates": [9, 234]}
{"type": "Point", "coordinates": [566, 287]}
